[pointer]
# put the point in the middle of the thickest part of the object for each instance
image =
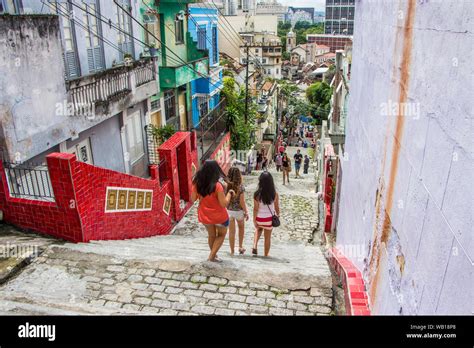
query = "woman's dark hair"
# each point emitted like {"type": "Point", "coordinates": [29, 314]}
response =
{"type": "Point", "coordinates": [234, 180]}
{"type": "Point", "coordinates": [266, 192]}
{"type": "Point", "coordinates": [207, 177]}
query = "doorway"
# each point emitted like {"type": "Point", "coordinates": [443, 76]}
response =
{"type": "Point", "coordinates": [183, 119]}
{"type": "Point", "coordinates": [183, 178]}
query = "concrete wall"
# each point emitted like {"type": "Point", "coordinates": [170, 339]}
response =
{"type": "Point", "coordinates": [406, 200]}
{"type": "Point", "coordinates": [29, 92]}
{"type": "Point", "coordinates": [106, 145]}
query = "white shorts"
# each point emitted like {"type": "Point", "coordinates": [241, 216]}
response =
{"type": "Point", "coordinates": [236, 214]}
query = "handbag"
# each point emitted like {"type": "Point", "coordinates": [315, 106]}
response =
{"type": "Point", "coordinates": [275, 218]}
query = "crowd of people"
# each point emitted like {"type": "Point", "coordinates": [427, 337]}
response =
{"type": "Point", "coordinates": [222, 206]}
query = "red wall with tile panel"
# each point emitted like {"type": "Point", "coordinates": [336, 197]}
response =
{"type": "Point", "coordinates": [80, 190]}
{"type": "Point", "coordinates": [224, 147]}
{"type": "Point", "coordinates": [355, 293]}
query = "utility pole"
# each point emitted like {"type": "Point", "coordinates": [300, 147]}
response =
{"type": "Point", "coordinates": [247, 85]}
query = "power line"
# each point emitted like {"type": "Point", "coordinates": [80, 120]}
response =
{"type": "Point", "coordinates": [153, 35]}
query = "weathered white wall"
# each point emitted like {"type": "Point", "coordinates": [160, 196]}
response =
{"type": "Point", "coordinates": [406, 201]}
{"type": "Point", "coordinates": [31, 84]}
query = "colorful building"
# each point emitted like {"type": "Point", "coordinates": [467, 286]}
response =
{"type": "Point", "coordinates": [205, 90]}
{"type": "Point", "coordinates": [182, 62]}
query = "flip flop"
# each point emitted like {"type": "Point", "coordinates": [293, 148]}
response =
{"type": "Point", "coordinates": [241, 251]}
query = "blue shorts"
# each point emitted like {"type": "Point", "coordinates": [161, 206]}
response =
{"type": "Point", "coordinates": [297, 166]}
{"type": "Point", "coordinates": [225, 224]}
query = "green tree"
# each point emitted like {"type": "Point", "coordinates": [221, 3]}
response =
{"type": "Point", "coordinates": [239, 129]}
{"type": "Point", "coordinates": [319, 93]}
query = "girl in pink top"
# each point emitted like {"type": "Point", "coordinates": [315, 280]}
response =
{"type": "Point", "coordinates": [266, 204]}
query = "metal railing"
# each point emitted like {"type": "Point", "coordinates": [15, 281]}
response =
{"type": "Point", "coordinates": [210, 129]}
{"type": "Point", "coordinates": [29, 182]}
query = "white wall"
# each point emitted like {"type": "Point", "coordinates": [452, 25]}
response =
{"type": "Point", "coordinates": [406, 198]}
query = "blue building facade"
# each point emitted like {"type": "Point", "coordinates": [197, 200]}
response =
{"type": "Point", "coordinates": [202, 26]}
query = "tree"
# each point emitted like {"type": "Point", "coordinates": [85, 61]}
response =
{"type": "Point", "coordinates": [240, 131]}
{"type": "Point", "coordinates": [319, 93]}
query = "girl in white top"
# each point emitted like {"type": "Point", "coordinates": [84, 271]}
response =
{"type": "Point", "coordinates": [266, 204]}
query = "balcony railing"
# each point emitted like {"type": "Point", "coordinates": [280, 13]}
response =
{"type": "Point", "coordinates": [210, 129]}
{"type": "Point", "coordinates": [112, 84]}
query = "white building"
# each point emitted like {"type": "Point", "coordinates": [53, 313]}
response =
{"type": "Point", "coordinates": [236, 29]}
{"type": "Point", "coordinates": [272, 7]}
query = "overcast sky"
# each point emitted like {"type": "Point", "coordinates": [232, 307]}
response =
{"type": "Point", "coordinates": [317, 4]}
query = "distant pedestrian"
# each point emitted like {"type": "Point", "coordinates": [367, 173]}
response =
{"type": "Point", "coordinates": [278, 161]}
{"type": "Point", "coordinates": [286, 168]}
{"type": "Point", "coordinates": [266, 204]}
{"type": "Point", "coordinates": [306, 164]}
{"type": "Point", "coordinates": [265, 163]}
{"type": "Point", "coordinates": [212, 212]}
{"type": "Point", "coordinates": [237, 209]}
{"type": "Point", "coordinates": [298, 159]}
{"type": "Point", "coordinates": [300, 142]}
{"type": "Point", "coordinates": [259, 161]}
{"type": "Point", "coordinates": [281, 149]}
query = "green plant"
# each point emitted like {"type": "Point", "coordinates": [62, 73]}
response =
{"type": "Point", "coordinates": [163, 133]}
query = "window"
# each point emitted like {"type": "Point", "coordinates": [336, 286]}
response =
{"type": "Point", "coordinates": [278, 60]}
{"type": "Point", "coordinates": [151, 24]}
{"type": "Point", "coordinates": [155, 104]}
{"type": "Point", "coordinates": [203, 106]}
{"type": "Point", "coordinates": [124, 35]}
{"type": "Point", "coordinates": [170, 104]}
{"type": "Point", "coordinates": [179, 31]}
{"type": "Point", "coordinates": [215, 50]}
{"type": "Point", "coordinates": [11, 6]}
{"type": "Point", "coordinates": [69, 39]}
{"type": "Point", "coordinates": [95, 56]}
{"type": "Point", "coordinates": [201, 36]}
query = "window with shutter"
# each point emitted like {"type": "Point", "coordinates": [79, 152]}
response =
{"type": "Point", "coordinates": [64, 11]}
{"type": "Point", "coordinates": [124, 35]}
{"type": "Point", "coordinates": [215, 51]}
{"type": "Point", "coordinates": [201, 35]}
{"type": "Point", "coordinates": [95, 52]}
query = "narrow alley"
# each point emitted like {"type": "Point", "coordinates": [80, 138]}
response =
{"type": "Point", "coordinates": [168, 275]}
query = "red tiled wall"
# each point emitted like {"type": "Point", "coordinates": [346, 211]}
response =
{"type": "Point", "coordinates": [80, 191]}
{"type": "Point", "coordinates": [59, 219]}
{"type": "Point", "coordinates": [224, 161]}
{"type": "Point", "coordinates": [355, 294]}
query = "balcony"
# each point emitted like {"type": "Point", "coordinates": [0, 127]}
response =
{"type": "Point", "coordinates": [271, 53]}
{"type": "Point", "coordinates": [211, 129]}
{"type": "Point", "coordinates": [175, 76]}
{"type": "Point", "coordinates": [90, 92]}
